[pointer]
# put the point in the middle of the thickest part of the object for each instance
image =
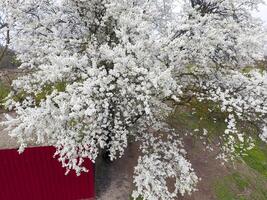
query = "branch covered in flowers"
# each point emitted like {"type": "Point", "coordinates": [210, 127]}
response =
{"type": "Point", "coordinates": [102, 72]}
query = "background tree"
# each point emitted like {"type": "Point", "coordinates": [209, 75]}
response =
{"type": "Point", "coordinates": [104, 72]}
{"type": "Point", "coordinates": [4, 35]}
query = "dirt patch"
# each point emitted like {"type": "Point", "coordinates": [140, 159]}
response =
{"type": "Point", "coordinates": [8, 75]}
{"type": "Point", "coordinates": [114, 180]}
{"type": "Point", "coordinates": [6, 142]}
{"type": "Point", "coordinates": [206, 167]}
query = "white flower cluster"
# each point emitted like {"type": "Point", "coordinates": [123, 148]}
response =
{"type": "Point", "coordinates": [244, 97]}
{"type": "Point", "coordinates": [163, 165]}
{"type": "Point", "coordinates": [263, 135]}
{"type": "Point", "coordinates": [100, 71]}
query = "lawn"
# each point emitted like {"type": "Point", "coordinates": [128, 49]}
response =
{"type": "Point", "coordinates": [4, 91]}
{"type": "Point", "coordinates": [246, 178]}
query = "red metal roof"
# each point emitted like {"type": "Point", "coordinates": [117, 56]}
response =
{"type": "Point", "coordinates": [36, 175]}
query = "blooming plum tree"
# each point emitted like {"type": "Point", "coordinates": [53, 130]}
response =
{"type": "Point", "coordinates": [104, 71]}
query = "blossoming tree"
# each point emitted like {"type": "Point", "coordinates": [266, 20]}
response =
{"type": "Point", "coordinates": [102, 72]}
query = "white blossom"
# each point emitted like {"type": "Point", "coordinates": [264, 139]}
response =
{"type": "Point", "coordinates": [102, 71]}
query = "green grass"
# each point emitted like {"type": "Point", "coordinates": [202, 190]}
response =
{"type": "Point", "coordinates": [19, 97]}
{"type": "Point", "coordinates": [232, 187]}
{"type": "Point", "coordinates": [241, 186]}
{"type": "Point", "coordinates": [239, 181]}
{"type": "Point", "coordinates": [223, 191]}
{"type": "Point", "coordinates": [250, 184]}
{"type": "Point", "coordinates": [46, 90]}
{"type": "Point", "coordinates": [261, 67]}
{"type": "Point", "coordinates": [197, 116]}
{"type": "Point", "coordinates": [257, 158]}
{"type": "Point", "coordinates": [4, 91]}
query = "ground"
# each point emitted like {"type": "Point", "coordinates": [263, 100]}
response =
{"type": "Point", "coordinates": [6, 142]}
{"type": "Point", "coordinates": [243, 179]}
{"type": "Point", "coordinates": [114, 180]}
{"type": "Point", "coordinates": [236, 181]}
